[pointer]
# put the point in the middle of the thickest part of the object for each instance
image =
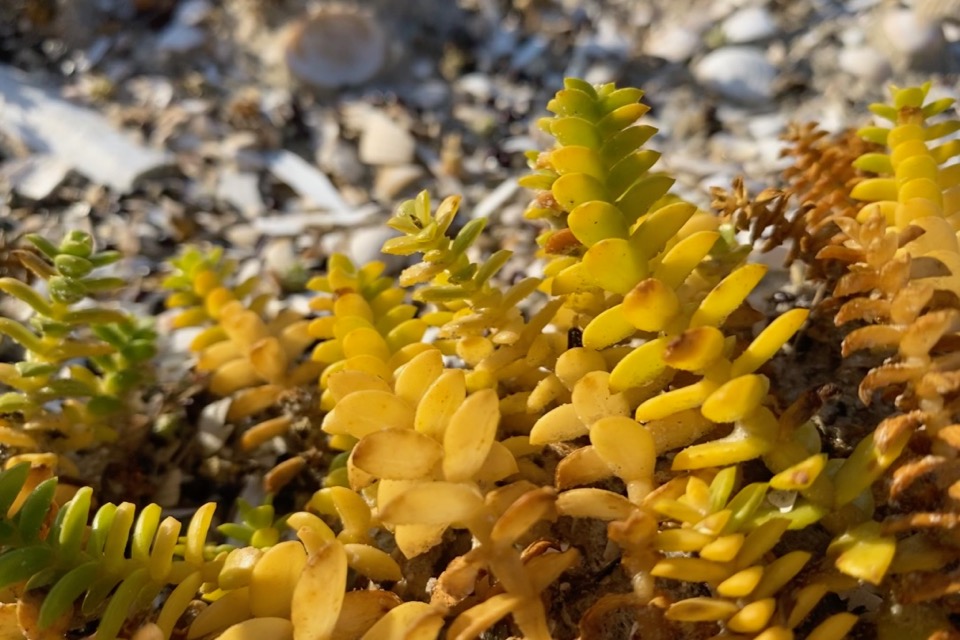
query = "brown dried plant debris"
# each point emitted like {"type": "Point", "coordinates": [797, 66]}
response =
{"type": "Point", "coordinates": [817, 192]}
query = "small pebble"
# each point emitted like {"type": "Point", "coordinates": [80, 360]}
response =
{"type": "Point", "coordinates": [384, 142]}
{"type": "Point", "coordinates": [741, 74]}
{"type": "Point", "coordinates": [749, 24]}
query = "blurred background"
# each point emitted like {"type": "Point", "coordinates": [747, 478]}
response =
{"type": "Point", "coordinates": [290, 129]}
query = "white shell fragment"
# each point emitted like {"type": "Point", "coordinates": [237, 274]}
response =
{"type": "Point", "coordinates": [741, 74]}
{"type": "Point", "coordinates": [335, 46]}
{"type": "Point", "coordinates": [673, 43]}
{"type": "Point", "coordinates": [76, 136]}
{"type": "Point", "coordinates": [749, 24]}
{"type": "Point", "coordinates": [383, 141]}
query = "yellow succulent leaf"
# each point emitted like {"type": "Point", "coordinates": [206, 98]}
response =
{"type": "Point", "coordinates": [275, 628]}
{"type": "Point", "coordinates": [836, 627]}
{"type": "Point", "coordinates": [625, 142]}
{"type": "Point", "coordinates": [875, 189]}
{"type": "Point", "coordinates": [498, 465]}
{"type": "Point", "coordinates": [364, 412]}
{"type": "Point", "coordinates": [274, 579]}
{"type": "Point", "coordinates": [800, 476]}
{"type": "Point", "coordinates": [621, 118]}
{"type": "Point", "coordinates": [701, 609]}
{"type": "Point", "coordinates": [865, 553]}
{"type": "Point", "coordinates": [751, 437]}
{"type": "Point", "coordinates": [238, 568]}
{"type": "Point", "coordinates": [473, 349]}
{"type": "Point", "coordinates": [677, 264]}
{"type": "Point", "coordinates": [695, 349]}
{"type": "Point", "coordinates": [596, 220]}
{"type": "Point", "coordinates": [217, 355]}
{"type": "Point", "coordinates": [866, 464]}
{"type": "Point", "coordinates": [572, 279]}
{"type": "Point", "coordinates": [683, 540]}
{"type": "Point", "coordinates": [439, 402]}
{"type": "Point", "coordinates": [398, 454]}
{"type": "Point", "coordinates": [295, 338]}
{"type": "Point", "coordinates": [575, 363]}
{"type": "Point", "coordinates": [728, 295]}
{"type": "Point", "coordinates": [753, 617]}
{"type": "Point", "coordinates": [365, 341]}
{"type": "Point", "coordinates": [778, 573]}
{"type": "Point", "coordinates": [581, 466]}
{"type": "Point", "coordinates": [625, 446]}
{"type": "Point", "coordinates": [242, 326]}
{"type": "Point", "coordinates": [347, 505]}
{"type": "Point", "coordinates": [594, 503]}
{"type": "Point", "coordinates": [678, 429]}
{"type": "Point", "coordinates": [196, 533]}
{"type": "Point", "coordinates": [608, 328]}
{"type": "Point", "coordinates": [675, 401]}
{"type": "Point", "coordinates": [650, 305]}
{"type": "Point", "coordinates": [470, 434]}
{"type": "Point", "coordinates": [232, 608]}
{"type": "Point", "coordinates": [574, 189]}
{"type": "Point", "coordinates": [806, 599]}
{"type": "Point", "coordinates": [526, 511]}
{"type": "Point", "coordinates": [741, 584]}
{"type": "Point", "coordinates": [761, 540]}
{"type": "Point", "coordinates": [347, 381]}
{"type": "Point", "coordinates": [775, 633]}
{"type": "Point", "coordinates": [351, 303]}
{"type": "Point", "coordinates": [642, 195]}
{"type": "Point", "coordinates": [478, 618]}
{"type": "Point", "coordinates": [372, 562]}
{"type": "Point", "coordinates": [301, 519]}
{"type": "Point", "coordinates": [433, 503]}
{"type": "Point", "coordinates": [577, 159]}
{"type": "Point", "coordinates": [593, 398]}
{"type": "Point", "coordinates": [640, 366]}
{"type": "Point", "coordinates": [614, 265]}
{"type": "Point", "coordinates": [724, 548]}
{"type": "Point", "coordinates": [319, 593]}
{"type": "Point", "coordinates": [736, 399]}
{"type": "Point", "coordinates": [396, 622]}
{"type": "Point", "coordinates": [691, 570]}
{"type": "Point", "coordinates": [574, 131]}
{"type": "Point", "coordinates": [921, 166]}
{"type": "Point", "coordinates": [251, 401]}
{"type": "Point", "coordinates": [414, 378]}
{"type": "Point", "coordinates": [233, 376]}
{"type": "Point", "coordinates": [626, 172]}
{"type": "Point", "coordinates": [361, 610]}
{"type": "Point", "coordinates": [660, 226]}
{"type": "Point", "coordinates": [415, 539]}
{"type": "Point", "coordinates": [765, 345]}
{"type": "Point", "coordinates": [557, 425]}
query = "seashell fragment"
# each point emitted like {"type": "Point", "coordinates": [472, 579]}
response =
{"type": "Point", "coordinates": [749, 24]}
{"type": "Point", "coordinates": [741, 74]}
{"type": "Point", "coordinates": [335, 46]}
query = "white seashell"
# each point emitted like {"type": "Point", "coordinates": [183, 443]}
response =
{"type": "Point", "coordinates": [749, 24]}
{"type": "Point", "coordinates": [673, 43]}
{"type": "Point", "coordinates": [478, 86]}
{"type": "Point", "coordinates": [865, 63]}
{"type": "Point", "coordinates": [383, 141]}
{"type": "Point", "coordinates": [741, 74]}
{"type": "Point", "coordinates": [335, 46]}
{"type": "Point", "coordinates": [909, 33]}
{"type": "Point", "coordinates": [911, 42]}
